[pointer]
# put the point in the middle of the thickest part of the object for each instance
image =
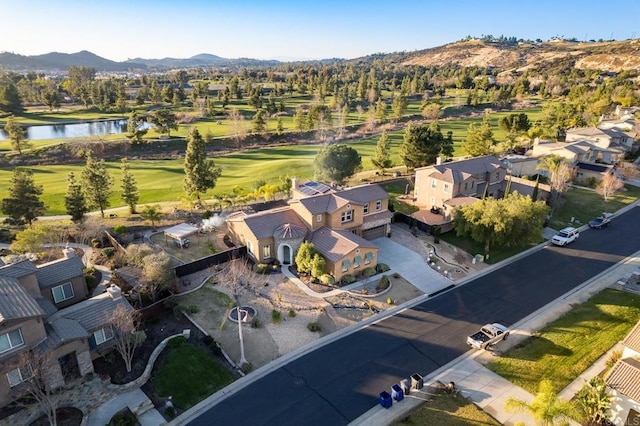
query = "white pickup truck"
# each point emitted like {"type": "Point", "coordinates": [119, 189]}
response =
{"type": "Point", "coordinates": [489, 335]}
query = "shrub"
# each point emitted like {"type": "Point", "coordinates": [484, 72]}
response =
{"type": "Point", "coordinates": [255, 323]}
{"type": "Point", "coordinates": [348, 279]}
{"type": "Point", "coordinates": [383, 284]}
{"type": "Point", "coordinates": [327, 279]}
{"type": "Point", "coordinates": [95, 243]}
{"type": "Point", "coordinates": [314, 327]}
{"type": "Point", "coordinates": [91, 282]}
{"type": "Point", "coordinates": [261, 268]}
{"type": "Point", "coordinates": [369, 272]}
{"type": "Point", "coordinates": [176, 342]}
{"type": "Point", "coordinates": [170, 412]}
{"type": "Point", "coordinates": [390, 301]}
{"type": "Point", "coordinates": [215, 349]}
{"type": "Point", "coordinates": [120, 229]}
{"type": "Point", "coordinates": [108, 252]}
{"type": "Point", "coordinates": [207, 340]}
{"type": "Point", "coordinates": [246, 368]}
{"type": "Point", "coordinates": [212, 247]}
{"type": "Point", "coordinates": [613, 358]}
{"type": "Point", "coordinates": [396, 275]}
{"type": "Point", "coordinates": [193, 309]}
{"type": "Point", "coordinates": [292, 313]}
{"type": "Point", "coordinates": [382, 267]}
{"type": "Point", "coordinates": [276, 316]}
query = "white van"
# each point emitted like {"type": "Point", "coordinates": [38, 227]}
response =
{"type": "Point", "coordinates": [565, 236]}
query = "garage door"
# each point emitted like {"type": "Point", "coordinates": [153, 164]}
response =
{"type": "Point", "coordinates": [373, 233]}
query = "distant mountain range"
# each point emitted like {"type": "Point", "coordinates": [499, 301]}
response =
{"type": "Point", "coordinates": [56, 61]}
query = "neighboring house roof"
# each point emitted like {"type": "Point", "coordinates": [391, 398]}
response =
{"type": "Point", "coordinates": [264, 224]}
{"type": "Point", "coordinates": [377, 216]}
{"type": "Point", "coordinates": [59, 270]}
{"type": "Point", "coordinates": [516, 158]}
{"type": "Point", "coordinates": [624, 377]}
{"type": "Point", "coordinates": [632, 341]}
{"type": "Point", "coordinates": [461, 200]}
{"type": "Point", "coordinates": [333, 245]}
{"type": "Point", "coordinates": [92, 314]}
{"type": "Point", "coordinates": [15, 302]}
{"type": "Point", "coordinates": [459, 171]}
{"type": "Point", "coordinates": [588, 132]}
{"type": "Point", "coordinates": [18, 269]}
{"type": "Point", "coordinates": [364, 193]}
{"type": "Point", "coordinates": [327, 203]}
{"type": "Point", "coordinates": [64, 330]}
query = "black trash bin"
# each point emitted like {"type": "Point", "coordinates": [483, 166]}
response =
{"type": "Point", "coordinates": [406, 386]}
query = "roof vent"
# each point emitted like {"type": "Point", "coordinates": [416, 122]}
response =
{"type": "Point", "coordinates": [68, 253]}
{"type": "Point", "coordinates": [114, 291]}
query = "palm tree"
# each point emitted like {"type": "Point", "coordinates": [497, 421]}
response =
{"type": "Point", "coordinates": [546, 408]}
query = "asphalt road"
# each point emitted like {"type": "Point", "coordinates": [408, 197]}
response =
{"type": "Point", "coordinates": [338, 382]}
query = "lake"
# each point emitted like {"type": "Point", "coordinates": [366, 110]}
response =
{"type": "Point", "coordinates": [75, 130]}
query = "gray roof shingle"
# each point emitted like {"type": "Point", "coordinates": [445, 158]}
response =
{"type": "Point", "coordinates": [59, 270]}
{"type": "Point", "coordinates": [364, 193]}
{"type": "Point", "coordinates": [15, 302]}
{"type": "Point", "coordinates": [18, 269]}
{"type": "Point", "coordinates": [65, 330]}
{"type": "Point", "coordinates": [625, 378]}
{"type": "Point", "coordinates": [632, 341]}
{"type": "Point", "coordinates": [459, 171]}
{"type": "Point", "coordinates": [92, 314]}
{"type": "Point", "coordinates": [264, 224]}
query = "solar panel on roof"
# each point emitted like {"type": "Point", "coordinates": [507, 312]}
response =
{"type": "Point", "coordinates": [312, 188]}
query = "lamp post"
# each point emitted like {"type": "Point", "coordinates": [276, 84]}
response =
{"type": "Point", "coordinates": [239, 311]}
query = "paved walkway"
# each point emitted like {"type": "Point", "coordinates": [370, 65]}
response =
{"type": "Point", "coordinates": [136, 400]}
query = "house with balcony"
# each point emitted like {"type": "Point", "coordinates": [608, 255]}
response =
{"type": "Point", "coordinates": [609, 146]}
{"type": "Point", "coordinates": [623, 382]}
{"type": "Point", "coordinates": [45, 309]}
{"type": "Point", "coordinates": [340, 224]}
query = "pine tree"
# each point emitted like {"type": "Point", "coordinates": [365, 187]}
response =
{"type": "Point", "coordinates": [279, 127]}
{"type": "Point", "coordinates": [74, 200]}
{"type": "Point", "coordinates": [259, 123]}
{"type": "Point", "coordinates": [200, 174]}
{"type": "Point", "coordinates": [381, 159]}
{"type": "Point", "coordinates": [381, 111]}
{"type": "Point", "coordinates": [96, 183]}
{"type": "Point", "coordinates": [134, 133]}
{"type": "Point", "coordinates": [421, 145]}
{"type": "Point", "coordinates": [130, 194]}
{"type": "Point", "coordinates": [479, 139]}
{"type": "Point", "coordinates": [23, 203]}
{"type": "Point", "coordinates": [17, 135]}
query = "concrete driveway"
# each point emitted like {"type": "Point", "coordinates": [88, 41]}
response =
{"type": "Point", "coordinates": [410, 265]}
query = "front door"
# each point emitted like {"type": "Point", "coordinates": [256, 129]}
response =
{"type": "Point", "coordinates": [286, 255]}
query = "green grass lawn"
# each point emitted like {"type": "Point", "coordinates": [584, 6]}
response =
{"type": "Point", "coordinates": [496, 254]}
{"type": "Point", "coordinates": [584, 204]}
{"type": "Point", "coordinates": [396, 189]}
{"type": "Point", "coordinates": [189, 375]}
{"type": "Point", "coordinates": [448, 410]}
{"type": "Point", "coordinates": [568, 346]}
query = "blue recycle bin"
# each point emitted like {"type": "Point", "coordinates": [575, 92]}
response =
{"type": "Point", "coordinates": [397, 393]}
{"type": "Point", "coordinates": [385, 399]}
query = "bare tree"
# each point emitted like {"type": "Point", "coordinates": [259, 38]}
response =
{"type": "Point", "coordinates": [238, 278]}
{"type": "Point", "coordinates": [157, 274]}
{"type": "Point", "coordinates": [126, 335]}
{"type": "Point", "coordinates": [238, 125]}
{"type": "Point", "coordinates": [609, 185]}
{"type": "Point", "coordinates": [30, 374]}
{"type": "Point", "coordinates": [628, 171]}
{"type": "Point", "coordinates": [560, 178]}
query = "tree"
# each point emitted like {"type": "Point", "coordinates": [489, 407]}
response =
{"type": "Point", "coordinates": [164, 120]}
{"type": "Point", "coordinates": [126, 335]}
{"type": "Point", "coordinates": [157, 274]}
{"type": "Point", "coordinates": [237, 123]}
{"type": "Point", "coordinates": [515, 123]}
{"type": "Point", "coordinates": [318, 266]}
{"type": "Point", "coordinates": [421, 145]}
{"type": "Point", "coordinates": [10, 101]}
{"type": "Point", "coordinates": [74, 200]}
{"type": "Point", "coordinates": [50, 99]}
{"type": "Point", "coordinates": [259, 123]}
{"type": "Point", "coordinates": [130, 194]}
{"type": "Point", "coordinates": [609, 185]}
{"type": "Point", "coordinates": [594, 400]}
{"type": "Point", "coordinates": [23, 203]}
{"type": "Point", "coordinates": [628, 171]}
{"type": "Point", "coordinates": [432, 111]}
{"type": "Point", "coordinates": [560, 175]}
{"type": "Point", "coordinates": [32, 240]}
{"type": "Point", "coordinates": [546, 408]}
{"type": "Point", "coordinates": [33, 369]}
{"type": "Point", "coordinates": [200, 174]}
{"type": "Point", "coordinates": [96, 183]}
{"type": "Point", "coordinates": [514, 219]}
{"type": "Point", "coordinates": [304, 257]}
{"type": "Point", "coordinates": [17, 135]}
{"type": "Point", "coordinates": [337, 162]}
{"type": "Point", "coordinates": [447, 146]}
{"type": "Point", "coordinates": [135, 132]}
{"type": "Point", "coordinates": [479, 140]}
{"type": "Point", "coordinates": [152, 214]}
{"type": "Point", "coordinates": [399, 106]}
{"type": "Point", "coordinates": [279, 127]}
{"type": "Point", "coordinates": [381, 111]}
{"type": "Point", "coordinates": [381, 159]}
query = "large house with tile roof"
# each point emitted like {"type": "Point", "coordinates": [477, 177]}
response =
{"type": "Point", "coordinates": [340, 224]}
{"type": "Point", "coordinates": [623, 382]}
{"type": "Point", "coordinates": [45, 308]}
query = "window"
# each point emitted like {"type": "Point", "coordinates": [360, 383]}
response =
{"type": "Point", "coordinates": [11, 340]}
{"type": "Point", "coordinates": [347, 216]}
{"type": "Point", "coordinates": [266, 252]}
{"type": "Point", "coordinates": [357, 261]}
{"type": "Point", "coordinates": [434, 184]}
{"type": "Point", "coordinates": [378, 205]}
{"type": "Point", "coordinates": [472, 183]}
{"type": "Point", "coordinates": [345, 265]}
{"type": "Point", "coordinates": [465, 185]}
{"type": "Point", "coordinates": [446, 187]}
{"type": "Point", "coordinates": [62, 292]}
{"type": "Point", "coordinates": [368, 256]}
{"type": "Point", "coordinates": [103, 335]}
{"type": "Point", "coordinates": [319, 218]}
{"type": "Point", "coordinates": [19, 375]}
{"type": "Point", "coordinates": [366, 208]}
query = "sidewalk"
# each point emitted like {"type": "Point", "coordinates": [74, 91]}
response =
{"type": "Point", "coordinates": [490, 391]}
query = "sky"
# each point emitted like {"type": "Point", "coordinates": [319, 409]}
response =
{"type": "Point", "coordinates": [295, 30]}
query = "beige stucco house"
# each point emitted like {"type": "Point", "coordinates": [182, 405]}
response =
{"type": "Point", "coordinates": [340, 224]}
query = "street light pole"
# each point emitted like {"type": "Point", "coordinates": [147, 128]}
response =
{"type": "Point", "coordinates": [243, 360]}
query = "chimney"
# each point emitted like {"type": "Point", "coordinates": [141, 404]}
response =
{"type": "Point", "coordinates": [114, 291]}
{"type": "Point", "coordinates": [438, 161]}
{"type": "Point", "coordinates": [294, 183]}
{"type": "Point", "coordinates": [68, 253]}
